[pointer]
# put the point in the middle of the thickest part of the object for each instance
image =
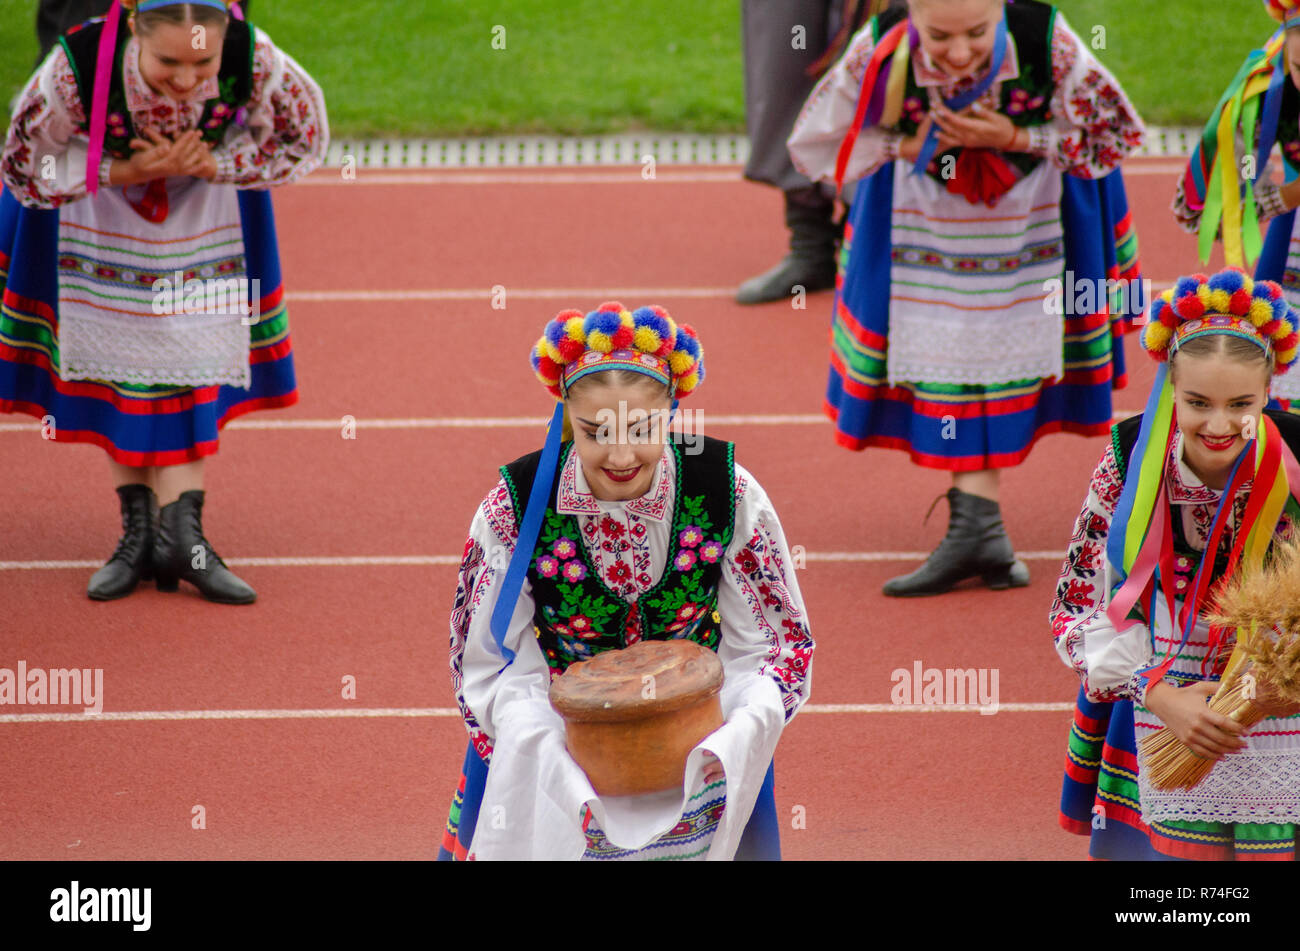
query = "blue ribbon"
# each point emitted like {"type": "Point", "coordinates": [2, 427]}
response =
{"type": "Point", "coordinates": [1272, 109]}
{"type": "Point", "coordinates": [1124, 508]}
{"type": "Point", "coordinates": [531, 525]}
{"type": "Point", "coordinates": [962, 100]}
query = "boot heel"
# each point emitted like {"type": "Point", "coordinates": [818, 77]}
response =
{"type": "Point", "coordinates": [166, 582]}
{"type": "Point", "coordinates": [1014, 575]}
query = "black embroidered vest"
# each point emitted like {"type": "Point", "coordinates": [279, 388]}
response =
{"type": "Point", "coordinates": [1026, 100]}
{"type": "Point", "coordinates": [234, 82]}
{"type": "Point", "coordinates": [577, 616]}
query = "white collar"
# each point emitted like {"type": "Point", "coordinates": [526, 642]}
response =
{"type": "Point", "coordinates": [574, 495]}
{"type": "Point", "coordinates": [1185, 485]}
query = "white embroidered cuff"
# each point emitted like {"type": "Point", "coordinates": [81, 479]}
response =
{"type": "Point", "coordinates": [1040, 139]}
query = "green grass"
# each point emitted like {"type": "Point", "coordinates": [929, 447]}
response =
{"type": "Point", "coordinates": [428, 67]}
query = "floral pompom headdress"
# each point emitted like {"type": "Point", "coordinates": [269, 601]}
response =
{"type": "Point", "coordinates": [1227, 303]}
{"type": "Point", "coordinates": [611, 337]}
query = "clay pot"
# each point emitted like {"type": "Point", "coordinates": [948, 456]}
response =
{"type": "Point", "coordinates": [632, 716]}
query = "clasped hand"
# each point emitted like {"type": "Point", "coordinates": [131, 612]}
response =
{"type": "Point", "coordinates": [160, 157]}
{"type": "Point", "coordinates": [974, 128]}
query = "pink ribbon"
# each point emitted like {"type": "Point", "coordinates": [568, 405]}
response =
{"type": "Point", "coordinates": [99, 99]}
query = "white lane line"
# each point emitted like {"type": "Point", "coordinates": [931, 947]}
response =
{"type": "Point", "coordinates": [363, 295]}
{"type": "Point", "coordinates": [407, 561]}
{"type": "Point", "coordinates": [624, 174]}
{"type": "Point", "coordinates": [503, 422]}
{"type": "Point", "coordinates": [521, 293]}
{"type": "Point", "coordinates": [422, 712]}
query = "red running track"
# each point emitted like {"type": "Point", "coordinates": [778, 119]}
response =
{"type": "Point", "coordinates": [874, 785]}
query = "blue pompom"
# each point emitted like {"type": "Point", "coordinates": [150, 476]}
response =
{"type": "Point", "coordinates": [1281, 309]}
{"type": "Point", "coordinates": [602, 320]}
{"type": "Point", "coordinates": [1185, 286]}
{"type": "Point", "coordinates": [1230, 281]}
{"type": "Point", "coordinates": [688, 344]}
{"type": "Point", "coordinates": [534, 359]}
{"type": "Point", "coordinates": [645, 317]}
{"type": "Point", "coordinates": [555, 332]}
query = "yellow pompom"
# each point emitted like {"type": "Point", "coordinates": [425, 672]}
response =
{"type": "Point", "coordinates": [1247, 285]}
{"type": "Point", "coordinates": [688, 383]}
{"type": "Point", "coordinates": [573, 329]}
{"type": "Point", "coordinates": [646, 340]}
{"type": "Point", "coordinates": [625, 318]}
{"type": "Point", "coordinates": [1287, 356]}
{"type": "Point", "coordinates": [598, 340]}
{"type": "Point", "coordinates": [1217, 301]}
{"type": "Point", "coordinates": [1156, 337]}
{"type": "Point", "coordinates": [545, 347]}
{"type": "Point", "coordinates": [680, 361]}
{"type": "Point", "coordinates": [1167, 295]}
{"type": "Point", "coordinates": [1260, 313]}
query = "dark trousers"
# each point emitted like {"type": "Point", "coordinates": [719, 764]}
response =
{"type": "Point", "coordinates": [781, 38]}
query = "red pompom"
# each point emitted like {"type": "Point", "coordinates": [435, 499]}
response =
{"type": "Point", "coordinates": [547, 368]}
{"type": "Point", "coordinates": [1239, 302]}
{"type": "Point", "coordinates": [571, 349]}
{"type": "Point", "coordinates": [611, 307]}
{"type": "Point", "coordinates": [1169, 318]}
{"type": "Point", "coordinates": [1287, 343]}
{"type": "Point", "coordinates": [1273, 287]}
{"type": "Point", "coordinates": [621, 339]}
{"type": "Point", "coordinates": [1189, 306]}
{"type": "Point", "coordinates": [1269, 328]}
{"type": "Point", "coordinates": [569, 314]}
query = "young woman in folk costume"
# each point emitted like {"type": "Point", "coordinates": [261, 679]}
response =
{"type": "Point", "coordinates": [1203, 481]}
{"type": "Point", "coordinates": [1227, 191]}
{"type": "Point", "coordinates": [989, 139]}
{"type": "Point", "coordinates": [626, 535]}
{"type": "Point", "coordinates": [136, 164]}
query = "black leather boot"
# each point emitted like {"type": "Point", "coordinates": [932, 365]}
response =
{"type": "Point", "coordinates": [133, 559]}
{"type": "Point", "coordinates": [810, 264]}
{"type": "Point", "coordinates": [976, 544]}
{"type": "Point", "coordinates": [181, 552]}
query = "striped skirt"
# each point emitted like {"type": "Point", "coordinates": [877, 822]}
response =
{"type": "Point", "coordinates": [137, 424]}
{"type": "Point", "coordinates": [1100, 799]}
{"type": "Point", "coordinates": [964, 426]}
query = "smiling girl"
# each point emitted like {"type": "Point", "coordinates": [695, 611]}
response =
{"type": "Point", "coordinates": [135, 175]}
{"type": "Point", "coordinates": [1203, 475]}
{"type": "Point", "coordinates": [613, 534]}
{"type": "Point", "coordinates": [988, 139]}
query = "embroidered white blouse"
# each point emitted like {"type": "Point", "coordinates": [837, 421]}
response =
{"type": "Point", "coordinates": [284, 135]}
{"type": "Point", "coordinates": [1093, 124]}
{"type": "Point", "coordinates": [766, 651]}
